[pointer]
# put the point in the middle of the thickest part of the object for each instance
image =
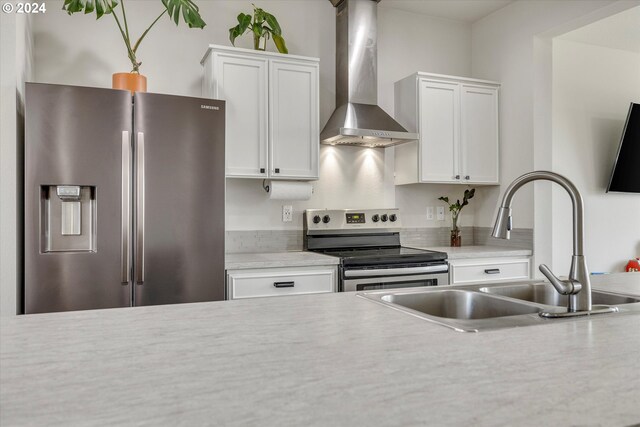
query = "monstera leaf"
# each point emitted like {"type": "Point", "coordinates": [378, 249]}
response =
{"type": "Point", "coordinates": [101, 7]}
{"type": "Point", "coordinates": [188, 9]}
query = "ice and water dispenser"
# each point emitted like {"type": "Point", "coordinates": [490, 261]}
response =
{"type": "Point", "coordinates": [68, 218]}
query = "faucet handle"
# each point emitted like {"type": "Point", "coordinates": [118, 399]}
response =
{"type": "Point", "coordinates": [564, 287]}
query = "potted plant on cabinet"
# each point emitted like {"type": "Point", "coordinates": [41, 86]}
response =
{"type": "Point", "coordinates": [134, 81]}
{"type": "Point", "coordinates": [455, 208]}
{"type": "Point", "coordinates": [264, 25]}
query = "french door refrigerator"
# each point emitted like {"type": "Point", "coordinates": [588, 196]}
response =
{"type": "Point", "coordinates": [124, 199]}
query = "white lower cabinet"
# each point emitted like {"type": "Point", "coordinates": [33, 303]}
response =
{"type": "Point", "coordinates": [481, 270]}
{"type": "Point", "coordinates": [271, 282]}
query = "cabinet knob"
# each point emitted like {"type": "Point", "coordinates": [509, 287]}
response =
{"type": "Point", "coordinates": [261, 170]}
{"type": "Point", "coordinates": [467, 177]}
{"type": "Point", "coordinates": [277, 170]}
{"type": "Point", "coordinates": [457, 176]}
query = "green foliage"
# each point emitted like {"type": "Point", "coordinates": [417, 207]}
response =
{"type": "Point", "coordinates": [456, 207]}
{"type": "Point", "coordinates": [174, 8]}
{"type": "Point", "coordinates": [263, 25]}
{"type": "Point", "coordinates": [188, 10]}
{"type": "Point", "coordinates": [101, 7]}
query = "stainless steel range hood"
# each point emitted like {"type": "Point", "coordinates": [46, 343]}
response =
{"type": "Point", "coordinates": [358, 120]}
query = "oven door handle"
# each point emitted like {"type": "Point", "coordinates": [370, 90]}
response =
{"type": "Point", "coordinates": [443, 268]}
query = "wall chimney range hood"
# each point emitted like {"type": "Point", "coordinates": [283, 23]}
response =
{"type": "Point", "coordinates": [358, 120]}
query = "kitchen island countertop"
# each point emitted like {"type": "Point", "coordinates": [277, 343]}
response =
{"type": "Point", "coordinates": [327, 359]}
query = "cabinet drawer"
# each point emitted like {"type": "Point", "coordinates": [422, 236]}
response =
{"type": "Point", "coordinates": [488, 270]}
{"type": "Point", "coordinates": [265, 283]}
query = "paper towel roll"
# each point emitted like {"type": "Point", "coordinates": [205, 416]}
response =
{"type": "Point", "coordinates": [290, 190]}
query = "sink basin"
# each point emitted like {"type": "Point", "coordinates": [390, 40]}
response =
{"type": "Point", "coordinates": [459, 304]}
{"type": "Point", "coordinates": [475, 308]}
{"type": "Point", "coordinates": [545, 293]}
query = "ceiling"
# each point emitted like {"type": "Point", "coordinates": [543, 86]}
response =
{"type": "Point", "coordinates": [459, 10]}
{"type": "Point", "coordinates": [619, 31]}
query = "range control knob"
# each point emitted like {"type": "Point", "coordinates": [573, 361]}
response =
{"type": "Point", "coordinates": [316, 219]}
{"type": "Point", "coordinates": [384, 218]}
{"type": "Point", "coordinates": [375, 218]}
{"type": "Point", "coordinates": [393, 217]}
{"type": "Point", "coordinates": [326, 219]}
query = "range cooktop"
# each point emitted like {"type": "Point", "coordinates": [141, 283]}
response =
{"type": "Point", "coordinates": [380, 256]}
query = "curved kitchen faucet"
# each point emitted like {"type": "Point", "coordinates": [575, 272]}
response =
{"type": "Point", "coordinates": [578, 285]}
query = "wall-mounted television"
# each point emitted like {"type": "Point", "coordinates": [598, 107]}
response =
{"type": "Point", "coordinates": [625, 176]}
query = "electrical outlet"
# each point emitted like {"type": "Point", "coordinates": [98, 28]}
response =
{"type": "Point", "coordinates": [440, 213]}
{"type": "Point", "coordinates": [430, 212]}
{"type": "Point", "coordinates": [287, 213]}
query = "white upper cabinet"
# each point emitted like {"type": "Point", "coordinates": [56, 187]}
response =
{"type": "Point", "coordinates": [294, 133]}
{"type": "Point", "coordinates": [457, 119]}
{"type": "Point", "coordinates": [272, 105]}
{"type": "Point", "coordinates": [479, 136]}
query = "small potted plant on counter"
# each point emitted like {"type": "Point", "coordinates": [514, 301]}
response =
{"type": "Point", "coordinates": [455, 208]}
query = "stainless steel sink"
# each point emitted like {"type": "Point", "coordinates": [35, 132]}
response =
{"type": "Point", "coordinates": [545, 293]}
{"type": "Point", "coordinates": [474, 308]}
{"type": "Point", "coordinates": [459, 304]}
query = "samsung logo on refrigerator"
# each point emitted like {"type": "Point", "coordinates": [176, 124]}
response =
{"type": "Point", "coordinates": [209, 107]}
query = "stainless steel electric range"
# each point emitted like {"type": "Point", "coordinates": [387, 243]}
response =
{"type": "Point", "coordinates": [367, 241]}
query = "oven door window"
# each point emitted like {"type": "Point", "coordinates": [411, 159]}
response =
{"type": "Point", "coordinates": [394, 282]}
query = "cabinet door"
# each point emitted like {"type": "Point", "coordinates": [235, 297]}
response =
{"type": "Point", "coordinates": [439, 118]}
{"type": "Point", "coordinates": [479, 134]}
{"type": "Point", "coordinates": [243, 83]}
{"type": "Point", "coordinates": [294, 135]}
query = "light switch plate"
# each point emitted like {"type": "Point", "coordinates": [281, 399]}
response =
{"type": "Point", "coordinates": [440, 213]}
{"type": "Point", "coordinates": [430, 212]}
{"type": "Point", "coordinates": [287, 213]}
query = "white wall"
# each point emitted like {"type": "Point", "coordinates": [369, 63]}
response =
{"type": "Point", "coordinates": [592, 89]}
{"type": "Point", "coordinates": [503, 50]}
{"type": "Point", "coordinates": [15, 69]}
{"type": "Point", "coordinates": [350, 177]}
{"type": "Point", "coordinates": [513, 46]}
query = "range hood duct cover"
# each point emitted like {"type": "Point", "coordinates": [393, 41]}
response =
{"type": "Point", "coordinates": [358, 120]}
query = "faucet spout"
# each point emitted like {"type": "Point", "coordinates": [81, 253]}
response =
{"type": "Point", "coordinates": [578, 287]}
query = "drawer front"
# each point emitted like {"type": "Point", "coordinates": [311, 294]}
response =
{"type": "Point", "coordinates": [268, 284]}
{"type": "Point", "coordinates": [478, 271]}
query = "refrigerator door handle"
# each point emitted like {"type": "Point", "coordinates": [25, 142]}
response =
{"type": "Point", "coordinates": [139, 278]}
{"type": "Point", "coordinates": [126, 207]}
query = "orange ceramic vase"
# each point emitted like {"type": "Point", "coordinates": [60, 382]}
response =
{"type": "Point", "coordinates": [130, 81]}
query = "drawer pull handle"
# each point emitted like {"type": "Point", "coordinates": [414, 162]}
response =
{"type": "Point", "coordinates": [492, 271]}
{"type": "Point", "coordinates": [284, 284]}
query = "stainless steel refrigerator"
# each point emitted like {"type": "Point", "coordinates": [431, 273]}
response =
{"type": "Point", "coordinates": [124, 199]}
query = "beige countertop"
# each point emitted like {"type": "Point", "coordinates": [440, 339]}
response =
{"type": "Point", "coordinates": [239, 261]}
{"type": "Point", "coordinates": [465, 252]}
{"type": "Point", "coordinates": [315, 360]}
